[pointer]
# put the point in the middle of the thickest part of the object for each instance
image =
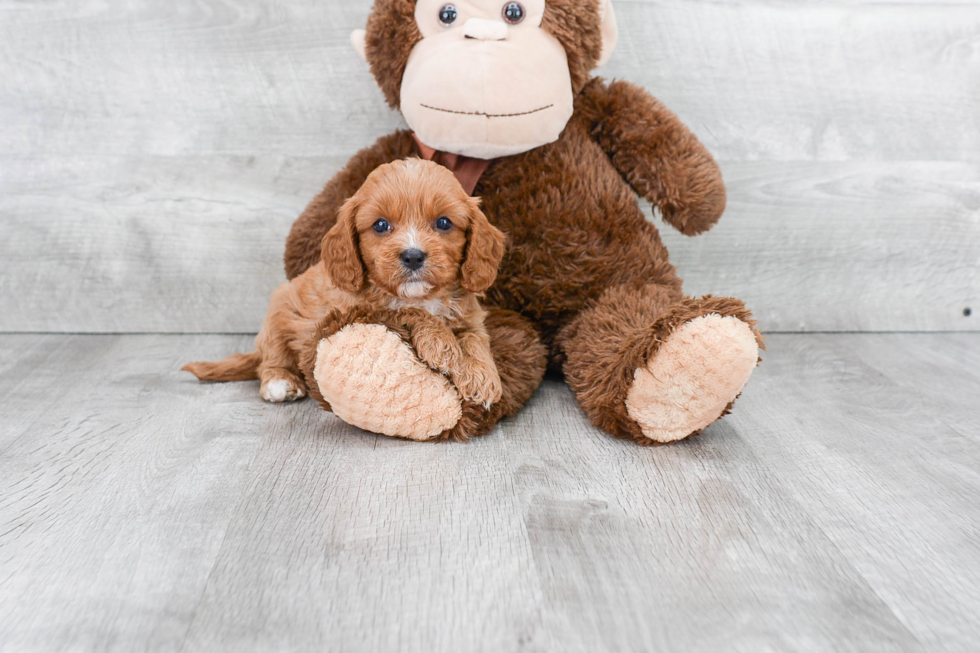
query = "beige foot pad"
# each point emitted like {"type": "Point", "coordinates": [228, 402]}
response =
{"type": "Point", "coordinates": [373, 381]}
{"type": "Point", "coordinates": [698, 371]}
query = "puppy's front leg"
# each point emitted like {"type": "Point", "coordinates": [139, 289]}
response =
{"type": "Point", "coordinates": [463, 356]}
{"type": "Point", "coordinates": [435, 343]}
{"type": "Point", "coordinates": [477, 378]}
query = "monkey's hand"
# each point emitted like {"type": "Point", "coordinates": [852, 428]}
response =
{"type": "Point", "coordinates": [362, 365]}
{"type": "Point", "coordinates": [656, 153]}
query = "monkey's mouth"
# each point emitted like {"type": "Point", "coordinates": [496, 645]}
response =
{"type": "Point", "coordinates": [487, 115]}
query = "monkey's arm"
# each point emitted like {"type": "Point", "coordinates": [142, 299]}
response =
{"type": "Point", "coordinates": [303, 243]}
{"type": "Point", "coordinates": [656, 153]}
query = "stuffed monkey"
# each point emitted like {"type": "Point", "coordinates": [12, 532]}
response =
{"type": "Point", "coordinates": [500, 92]}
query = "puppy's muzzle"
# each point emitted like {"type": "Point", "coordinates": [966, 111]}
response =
{"type": "Point", "coordinates": [412, 259]}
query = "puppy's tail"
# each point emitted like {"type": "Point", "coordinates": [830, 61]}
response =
{"type": "Point", "coordinates": [237, 367]}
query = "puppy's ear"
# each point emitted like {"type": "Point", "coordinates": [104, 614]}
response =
{"type": "Point", "coordinates": [340, 252]}
{"type": "Point", "coordinates": [484, 249]}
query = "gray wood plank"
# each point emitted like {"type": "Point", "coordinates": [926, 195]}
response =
{"type": "Point", "coordinates": [115, 491]}
{"type": "Point", "coordinates": [946, 379]}
{"type": "Point", "coordinates": [147, 244]}
{"type": "Point", "coordinates": [759, 80]}
{"type": "Point", "coordinates": [800, 81]}
{"type": "Point", "coordinates": [153, 157]}
{"type": "Point", "coordinates": [876, 437]}
{"type": "Point", "coordinates": [194, 244]}
{"type": "Point", "coordinates": [545, 537]}
{"type": "Point", "coordinates": [142, 511]}
{"type": "Point", "coordinates": [844, 246]}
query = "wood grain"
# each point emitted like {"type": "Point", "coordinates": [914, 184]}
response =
{"type": "Point", "coordinates": [814, 81]}
{"type": "Point", "coordinates": [834, 510]}
{"type": "Point", "coordinates": [844, 246]}
{"type": "Point", "coordinates": [758, 80]}
{"type": "Point", "coordinates": [194, 244]}
{"type": "Point", "coordinates": [875, 435]}
{"type": "Point", "coordinates": [153, 156]}
{"type": "Point", "coordinates": [115, 489]}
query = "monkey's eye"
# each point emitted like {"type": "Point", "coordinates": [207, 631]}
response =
{"type": "Point", "coordinates": [448, 15]}
{"type": "Point", "coordinates": [513, 12]}
{"type": "Point", "coordinates": [381, 226]}
{"type": "Point", "coordinates": [444, 224]}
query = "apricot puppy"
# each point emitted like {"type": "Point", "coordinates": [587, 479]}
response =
{"type": "Point", "coordinates": [410, 239]}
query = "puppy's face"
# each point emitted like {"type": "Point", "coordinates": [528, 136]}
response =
{"type": "Point", "coordinates": [413, 232]}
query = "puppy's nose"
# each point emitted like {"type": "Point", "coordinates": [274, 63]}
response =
{"type": "Point", "coordinates": [413, 259]}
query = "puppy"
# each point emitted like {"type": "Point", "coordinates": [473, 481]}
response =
{"type": "Point", "coordinates": [410, 239]}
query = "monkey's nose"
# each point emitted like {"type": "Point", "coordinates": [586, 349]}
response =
{"type": "Point", "coordinates": [485, 30]}
{"type": "Point", "coordinates": [413, 259]}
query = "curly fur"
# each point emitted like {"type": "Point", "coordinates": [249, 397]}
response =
{"type": "Point", "coordinates": [516, 348]}
{"type": "Point", "coordinates": [611, 340]}
{"type": "Point", "coordinates": [364, 267]}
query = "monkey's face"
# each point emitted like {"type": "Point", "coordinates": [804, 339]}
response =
{"type": "Point", "coordinates": [486, 80]}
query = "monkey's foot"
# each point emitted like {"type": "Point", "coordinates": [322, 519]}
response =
{"type": "Point", "coordinates": [373, 380]}
{"type": "Point", "coordinates": [693, 378]}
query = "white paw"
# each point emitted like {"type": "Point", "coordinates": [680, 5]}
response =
{"type": "Point", "coordinates": [280, 390]}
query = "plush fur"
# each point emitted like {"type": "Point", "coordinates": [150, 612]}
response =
{"type": "Point", "coordinates": [363, 266]}
{"type": "Point", "coordinates": [517, 353]}
{"type": "Point", "coordinates": [587, 274]}
{"type": "Point", "coordinates": [394, 390]}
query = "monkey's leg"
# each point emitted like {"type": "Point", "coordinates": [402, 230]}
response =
{"type": "Point", "coordinates": [361, 366]}
{"type": "Point", "coordinates": [655, 369]}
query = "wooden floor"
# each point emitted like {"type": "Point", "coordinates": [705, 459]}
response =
{"type": "Point", "coordinates": [837, 509]}
{"type": "Point", "coordinates": [153, 156]}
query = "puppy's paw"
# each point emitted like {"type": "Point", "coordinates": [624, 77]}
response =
{"type": "Point", "coordinates": [479, 385]}
{"type": "Point", "coordinates": [441, 354]}
{"type": "Point", "coordinates": [280, 387]}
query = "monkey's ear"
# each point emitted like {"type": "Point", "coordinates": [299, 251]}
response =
{"type": "Point", "coordinates": [484, 250]}
{"type": "Point", "coordinates": [609, 30]}
{"type": "Point", "coordinates": [358, 38]}
{"type": "Point", "coordinates": [340, 252]}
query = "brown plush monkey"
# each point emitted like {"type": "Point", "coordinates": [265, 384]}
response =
{"type": "Point", "coordinates": [501, 93]}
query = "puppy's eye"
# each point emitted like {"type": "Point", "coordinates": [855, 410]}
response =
{"type": "Point", "coordinates": [444, 224]}
{"type": "Point", "coordinates": [448, 15]}
{"type": "Point", "coordinates": [381, 226]}
{"type": "Point", "coordinates": [513, 12]}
